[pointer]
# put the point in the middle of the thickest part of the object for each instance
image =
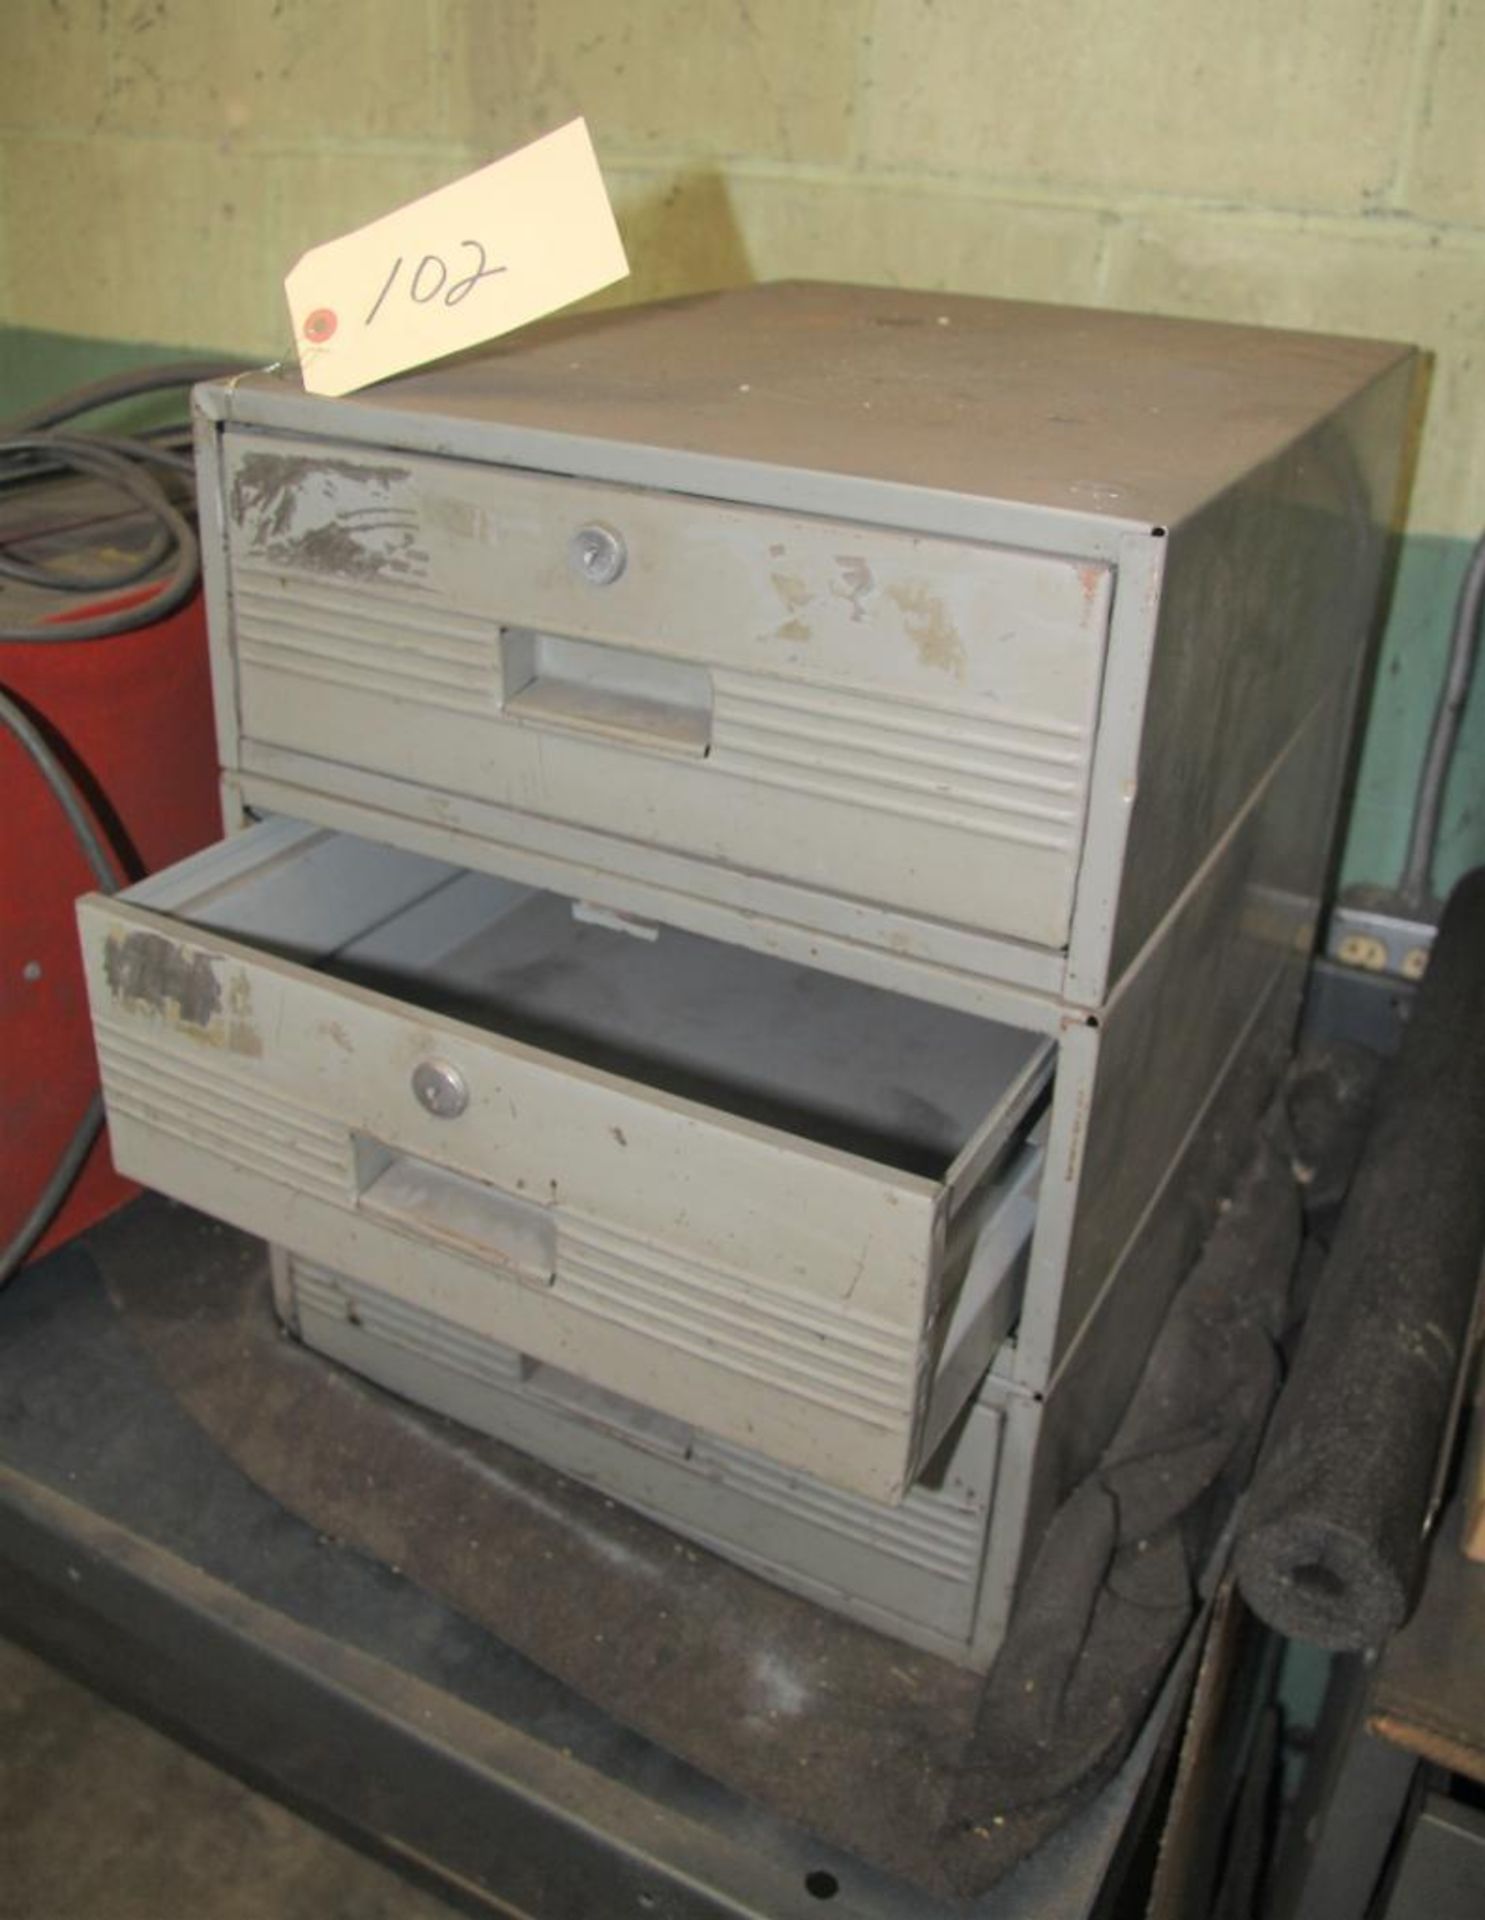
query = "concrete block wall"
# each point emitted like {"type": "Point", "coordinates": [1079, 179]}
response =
{"type": "Point", "coordinates": [163, 162]}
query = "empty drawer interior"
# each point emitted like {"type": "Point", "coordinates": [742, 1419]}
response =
{"type": "Point", "coordinates": [897, 1081]}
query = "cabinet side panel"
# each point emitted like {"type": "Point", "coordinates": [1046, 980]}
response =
{"type": "Point", "coordinates": [1270, 598]}
{"type": "Point", "coordinates": [1179, 1021]}
{"type": "Point", "coordinates": [1099, 1376]}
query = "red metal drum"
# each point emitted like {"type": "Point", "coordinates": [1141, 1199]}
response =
{"type": "Point", "coordinates": [131, 719]}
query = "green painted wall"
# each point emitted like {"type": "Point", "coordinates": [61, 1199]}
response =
{"type": "Point", "coordinates": [1409, 673]}
{"type": "Point", "coordinates": [163, 162]}
{"type": "Point", "coordinates": [34, 365]}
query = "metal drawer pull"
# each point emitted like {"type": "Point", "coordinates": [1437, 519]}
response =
{"type": "Point", "coordinates": [640, 699]}
{"type": "Point", "coordinates": [466, 1216]}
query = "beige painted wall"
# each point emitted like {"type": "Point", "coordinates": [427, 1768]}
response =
{"type": "Point", "coordinates": [1304, 162]}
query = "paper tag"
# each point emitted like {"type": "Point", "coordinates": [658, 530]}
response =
{"type": "Point", "coordinates": [501, 247]}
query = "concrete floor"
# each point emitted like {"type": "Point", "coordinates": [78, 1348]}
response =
{"type": "Point", "coordinates": [101, 1818]}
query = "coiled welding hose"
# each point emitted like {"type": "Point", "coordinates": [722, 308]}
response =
{"type": "Point", "coordinates": [32, 448]}
{"type": "Point", "coordinates": [1331, 1542]}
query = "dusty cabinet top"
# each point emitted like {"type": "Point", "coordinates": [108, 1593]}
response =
{"type": "Point", "coordinates": [1127, 417]}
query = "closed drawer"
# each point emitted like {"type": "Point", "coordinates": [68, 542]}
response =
{"type": "Point", "coordinates": [785, 1208]}
{"type": "Point", "coordinates": [914, 1570]}
{"type": "Point", "coordinates": [894, 718]}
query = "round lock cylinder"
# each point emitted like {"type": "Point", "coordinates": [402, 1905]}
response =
{"type": "Point", "coordinates": [440, 1088]}
{"type": "Point", "coordinates": [598, 554]}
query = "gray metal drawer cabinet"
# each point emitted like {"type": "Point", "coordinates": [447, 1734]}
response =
{"type": "Point", "coordinates": [780, 835]}
{"type": "Point", "coordinates": [933, 641]}
{"type": "Point", "coordinates": [757, 1199]}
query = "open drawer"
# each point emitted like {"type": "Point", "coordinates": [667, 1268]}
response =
{"type": "Point", "coordinates": [786, 1208]}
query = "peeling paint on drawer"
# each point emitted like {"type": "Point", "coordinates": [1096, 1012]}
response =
{"type": "Point", "coordinates": [930, 626]}
{"type": "Point", "coordinates": [182, 986]}
{"type": "Point", "coordinates": [341, 518]}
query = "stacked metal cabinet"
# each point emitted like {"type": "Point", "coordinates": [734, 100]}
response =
{"type": "Point", "coordinates": [777, 838]}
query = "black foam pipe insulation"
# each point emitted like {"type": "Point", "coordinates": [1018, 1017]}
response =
{"type": "Point", "coordinates": [1331, 1540]}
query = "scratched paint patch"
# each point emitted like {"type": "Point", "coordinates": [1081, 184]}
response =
{"type": "Point", "coordinates": [151, 975]}
{"type": "Point", "coordinates": [929, 626]}
{"type": "Point", "coordinates": [341, 518]}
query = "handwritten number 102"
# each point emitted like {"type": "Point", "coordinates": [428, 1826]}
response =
{"type": "Point", "coordinates": [431, 278]}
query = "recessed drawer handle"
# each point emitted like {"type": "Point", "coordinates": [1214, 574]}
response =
{"type": "Point", "coordinates": [623, 693]}
{"type": "Point", "coordinates": [449, 1209]}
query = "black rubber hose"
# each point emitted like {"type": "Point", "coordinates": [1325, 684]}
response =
{"type": "Point", "coordinates": [56, 776]}
{"type": "Point", "coordinates": [49, 1200]}
{"type": "Point", "coordinates": [123, 471]}
{"type": "Point", "coordinates": [102, 463]}
{"type": "Point", "coordinates": [1331, 1540]}
{"type": "Point", "coordinates": [30, 446]}
{"type": "Point", "coordinates": [107, 392]}
{"type": "Point", "coordinates": [58, 1186]}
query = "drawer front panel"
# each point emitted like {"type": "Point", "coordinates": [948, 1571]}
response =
{"type": "Point", "coordinates": [770, 1291]}
{"type": "Point", "coordinates": [912, 1570]}
{"type": "Point", "coordinates": [897, 718]}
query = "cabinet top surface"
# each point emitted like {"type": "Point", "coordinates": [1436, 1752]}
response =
{"type": "Point", "coordinates": [1128, 417]}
